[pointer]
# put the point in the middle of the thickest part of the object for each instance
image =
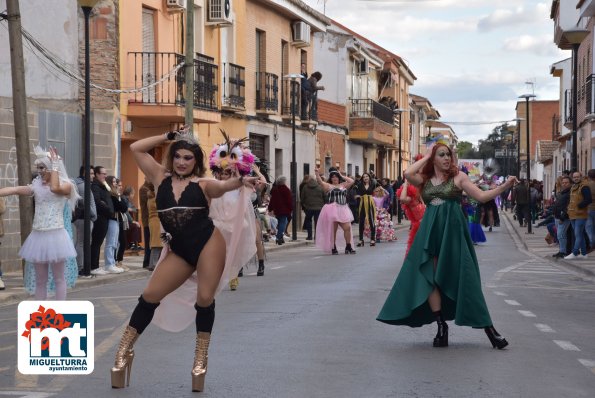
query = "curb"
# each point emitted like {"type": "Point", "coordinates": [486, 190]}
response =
{"type": "Point", "coordinates": [560, 262]}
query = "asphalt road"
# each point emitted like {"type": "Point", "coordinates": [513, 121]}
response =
{"type": "Point", "coordinates": [307, 329]}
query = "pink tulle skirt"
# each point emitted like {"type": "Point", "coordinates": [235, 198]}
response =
{"type": "Point", "coordinates": [47, 246]}
{"type": "Point", "coordinates": [331, 214]}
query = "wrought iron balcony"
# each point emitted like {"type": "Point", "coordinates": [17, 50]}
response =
{"type": "Point", "coordinates": [568, 111]}
{"type": "Point", "coordinates": [267, 93]}
{"type": "Point", "coordinates": [590, 94]}
{"type": "Point", "coordinates": [286, 94]}
{"type": "Point", "coordinates": [234, 84]}
{"type": "Point", "coordinates": [156, 71]}
{"type": "Point", "coordinates": [371, 122]}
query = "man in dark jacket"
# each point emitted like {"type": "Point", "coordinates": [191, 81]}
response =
{"type": "Point", "coordinates": [105, 212]}
{"type": "Point", "coordinates": [521, 199]}
{"type": "Point", "coordinates": [312, 200]}
{"type": "Point", "coordinates": [561, 216]}
{"type": "Point", "coordinates": [281, 204]}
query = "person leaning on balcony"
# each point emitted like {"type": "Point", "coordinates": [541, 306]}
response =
{"type": "Point", "coordinates": [305, 93]}
{"type": "Point", "coordinates": [578, 212]}
{"type": "Point", "coordinates": [313, 90]}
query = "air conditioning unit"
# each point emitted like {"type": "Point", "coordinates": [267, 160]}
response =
{"type": "Point", "coordinates": [175, 5]}
{"type": "Point", "coordinates": [363, 67]}
{"type": "Point", "coordinates": [219, 12]}
{"type": "Point", "coordinates": [301, 34]}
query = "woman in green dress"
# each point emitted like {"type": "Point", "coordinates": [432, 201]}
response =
{"type": "Point", "coordinates": [440, 280]}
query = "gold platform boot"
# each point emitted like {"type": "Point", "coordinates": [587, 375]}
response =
{"type": "Point", "coordinates": [201, 356]}
{"type": "Point", "coordinates": [124, 356]}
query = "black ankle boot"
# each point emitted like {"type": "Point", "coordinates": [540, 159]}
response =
{"type": "Point", "coordinates": [241, 273]}
{"type": "Point", "coordinates": [260, 271]}
{"type": "Point", "coordinates": [349, 249]}
{"type": "Point", "coordinates": [334, 251]}
{"type": "Point", "coordinates": [441, 339]}
{"type": "Point", "coordinates": [497, 341]}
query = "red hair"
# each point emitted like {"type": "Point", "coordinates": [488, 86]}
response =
{"type": "Point", "coordinates": [428, 169]}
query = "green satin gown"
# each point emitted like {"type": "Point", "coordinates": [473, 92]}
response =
{"type": "Point", "coordinates": [443, 236]}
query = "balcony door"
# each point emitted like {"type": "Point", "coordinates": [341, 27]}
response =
{"type": "Point", "coordinates": [149, 72]}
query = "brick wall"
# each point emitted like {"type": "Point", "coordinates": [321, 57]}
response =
{"type": "Point", "coordinates": [331, 113]}
{"type": "Point", "coordinates": [103, 54]}
{"type": "Point", "coordinates": [333, 145]}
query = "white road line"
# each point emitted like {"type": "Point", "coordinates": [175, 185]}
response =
{"type": "Point", "coordinates": [317, 257]}
{"type": "Point", "coordinates": [500, 294]}
{"type": "Point", "coordinates": [27, 394]}
{"type": "Point", "coordinates": [528, 314]}
{"type": "Point", "coordinates": [588, 364]}
{"type": "Point", "coordinates": [544, 328]}
{"type": "Point", "coordinates": [537, 272]}
{"type": "Point", "coordinates": [566, 345]}
{"type": "Point", "coordinates": [7, 348]}
{"type": "Point", "coordinates": [281, 266]}
{"type": "Point", "coordinates": [512, 302]}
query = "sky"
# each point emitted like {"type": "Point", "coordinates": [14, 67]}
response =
{"type": "Point", "coordinates": [472, 58]}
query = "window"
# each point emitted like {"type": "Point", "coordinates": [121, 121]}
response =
{"type": "Point", "coordinates": [63, 131]}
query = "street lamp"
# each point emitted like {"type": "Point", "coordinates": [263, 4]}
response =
{"type": "Point", "coordinates": [574, 37]}
{"type": "Point", "coordinates": [527, 122]}
{"type": "Point", "coordinates": [399, 172]}
{"type": "Point", "coordinates": [293, 79]}
{"type": "Point", "coordinates": [87, 6]}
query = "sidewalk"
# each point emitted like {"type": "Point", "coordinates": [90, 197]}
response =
{"type": "Point", "coordinates": [15, 291]}
{"type": "Point", "coordinates": [536, 244]}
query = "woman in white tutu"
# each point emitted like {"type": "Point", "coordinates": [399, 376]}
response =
{"type": "Point", "coordinates": [334, 214]}
{"type": "Point", "coordinates": [48, 245]}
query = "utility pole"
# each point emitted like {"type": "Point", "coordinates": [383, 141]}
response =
{"type": "Point", "coordinates": [19, 103]}
{"type": "Point", "coordinates": [189, 66]}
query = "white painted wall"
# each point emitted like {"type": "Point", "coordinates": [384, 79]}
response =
{"type": "Point", "coordinates": [55, 25]}
{"type": "Point", "coordinates": [331, 59]}
{"type": "Point", "coordinates": [354, 155]}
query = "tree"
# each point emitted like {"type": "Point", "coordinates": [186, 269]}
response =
{"type": "Point", "coordinates": [465, 150]}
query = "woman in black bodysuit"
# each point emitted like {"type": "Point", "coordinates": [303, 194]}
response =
{"type": "Point", "coordinates": [182, 198]}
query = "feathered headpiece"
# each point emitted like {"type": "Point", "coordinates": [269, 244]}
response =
{"type": "Point", "coordinates": [439, 139]}
{"type": "Point", "coordinates": [232, 154]}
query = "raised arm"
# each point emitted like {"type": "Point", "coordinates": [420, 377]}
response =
{"type": "Point", "coordinates": [148, 165]}
{"type": "Point", "coordinates": [348, 181]}
{"type": "Point", "coordinates": [57, 187]}
{"type": "Point", "coordinates": [403, 197]}
{"type": "Point", "coordinates": [462, 181]}
{"type": "Point", "coordinates": [413, 172]}
{"type": "Point", "coordinates": [215, 188]}
{"type": "Point", "coordinates": [326, 187]}
{"type": "Point", "coordinates": [23, 190]}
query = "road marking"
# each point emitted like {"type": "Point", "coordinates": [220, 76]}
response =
{"type": "Point", "coordinates": [566, 345]}
{"type": "Point", "coordinates": [512, 302]}
{"type": "Point", "coordinates": [28, 394]}
{"type": "Point", "coordinates": [500, 294]}
{"type": "Point", "coordinates": [317, 257]}
{"type": "Point", "coordinates": [8, 347]}
{"type": "Point", "coordinates": [113, 308]}
{"type": "Point", "coordinates": [279, 267]}
{"type": "Point", "coordinates": [3, 369]}
{"type": "Point", "coordinates": [588, 364]}
{"type": "Point", "coordinates": [528, 314]}
{"type": "Point", "coordinates": [537, 272]}
{"type": "Point", "coordinates": [544, 328]}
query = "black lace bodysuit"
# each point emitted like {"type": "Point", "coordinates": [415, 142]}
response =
{"type": "Point", "coordinates": [187, 221]}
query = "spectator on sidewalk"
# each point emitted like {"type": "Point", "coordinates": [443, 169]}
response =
{"type": "Point", "coordinates": [578, 212]}
{"type": "Point", "coordinates": [105, 211]}
{"type": "Point", "coordinates": [591, 218]}
{"type": "Point", "coordinates": [78, 216]}
{"type": "Point", "coordinates": [281, 205]}
{"type": "Point", "coordinates": [2, 210]}
{"type": "Point", "coordinates": [521, 199]}
{"type": "Point", "coordinates": [144, 218]}
{"type": "Point", "coordinates": [312, 200]}
{"type": "Point", "coordinates": [561, 216]}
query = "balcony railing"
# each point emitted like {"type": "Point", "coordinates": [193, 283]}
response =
{"type": "Point", "coordinates": [154, 69]}
{"type": "Point", "coordinates": [590, 94]}
{"type": "Point", "coordinates": [234, 84]}
{"type": "Point", "coordinates": [568, 107]}
{"type": "Point", "coordinates": [286, 85]}
{"type": "Point", "coordinates": [368, 108]}
{"type": "Point", "coordinates": [267, 92]}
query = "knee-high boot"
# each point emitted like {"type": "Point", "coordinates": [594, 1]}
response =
{"type": "Point", "coordinates": [140, 319]}
{"type": "Point", "coordinates": [441, 339]}
{"type": "Point", "coordinates": [205, 317]}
